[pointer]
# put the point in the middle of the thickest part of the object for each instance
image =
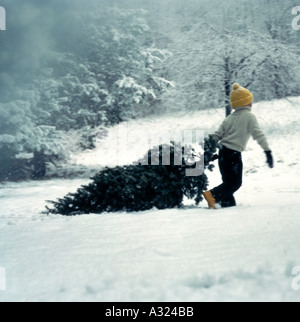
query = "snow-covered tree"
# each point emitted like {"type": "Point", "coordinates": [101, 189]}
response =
{"type": "Point", "coordinates": [220, 43]}
{"type": "Point", "coordinates": [15, 127]}
{"type": "Point", "coordinates": [99, 72]}
{"type": "Point", "coordinates": [258, 62]}
{"type": "Point", "coordinates": [110, 77]}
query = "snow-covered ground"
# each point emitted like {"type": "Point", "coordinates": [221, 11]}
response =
{"type": "Point", "coordinates": [245, 253]}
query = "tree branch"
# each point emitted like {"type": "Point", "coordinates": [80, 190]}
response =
{"type": "Point", "coordinates": [243, 60]}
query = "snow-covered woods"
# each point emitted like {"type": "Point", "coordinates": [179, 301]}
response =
{"type": "Point", "coordinates": [97, 72]}
{"type": "Point", "coordinates": [219, 43]}
{"type": "Point", "coordinates": [73, 76]}
{"type": "Point", "coordinates": [78, 68]}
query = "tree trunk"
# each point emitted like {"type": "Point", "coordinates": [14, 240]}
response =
{"type": "Point", "coordinates": [39, 165]}
{"type": "Point", "coordinates": [227, 85]}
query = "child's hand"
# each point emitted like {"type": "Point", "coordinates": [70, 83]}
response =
{"type": "Point", "coordinates": [215, 157]}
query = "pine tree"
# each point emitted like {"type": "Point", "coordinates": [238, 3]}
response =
{"type": "Point", "coordinates": [111, 77]}
{"type": "Point", "coordinates": [98, 72]}
{"type": "Point", "coordinates": [139, 187]}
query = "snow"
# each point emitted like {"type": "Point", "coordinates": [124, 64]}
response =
{"type": "Point", "coordinates": [247, 253]}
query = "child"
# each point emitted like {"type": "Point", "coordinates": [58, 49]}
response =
{"type": "Point", "coordinates": [233, 135]}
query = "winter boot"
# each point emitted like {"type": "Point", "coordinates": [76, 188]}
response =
{"type": "Point", "coordinates": [210, 199]}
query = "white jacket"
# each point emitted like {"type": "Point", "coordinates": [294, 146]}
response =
{"type": "Point", "coordinates": [234, 133]}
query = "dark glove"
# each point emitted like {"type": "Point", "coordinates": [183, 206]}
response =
{"type": "Point", "coordinates": [270, 160]}
{"type": "Point", "coordinates": [215, 157]}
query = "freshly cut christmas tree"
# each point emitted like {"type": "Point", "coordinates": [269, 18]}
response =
{"type": "Point", "coordinates": [141, 187]}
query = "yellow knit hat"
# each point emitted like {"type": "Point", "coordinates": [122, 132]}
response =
{"type": "Point", "coordinates": [240, 96]}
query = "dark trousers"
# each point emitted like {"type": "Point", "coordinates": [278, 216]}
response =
{"type": "Point", "coordinates": [231, 168]}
